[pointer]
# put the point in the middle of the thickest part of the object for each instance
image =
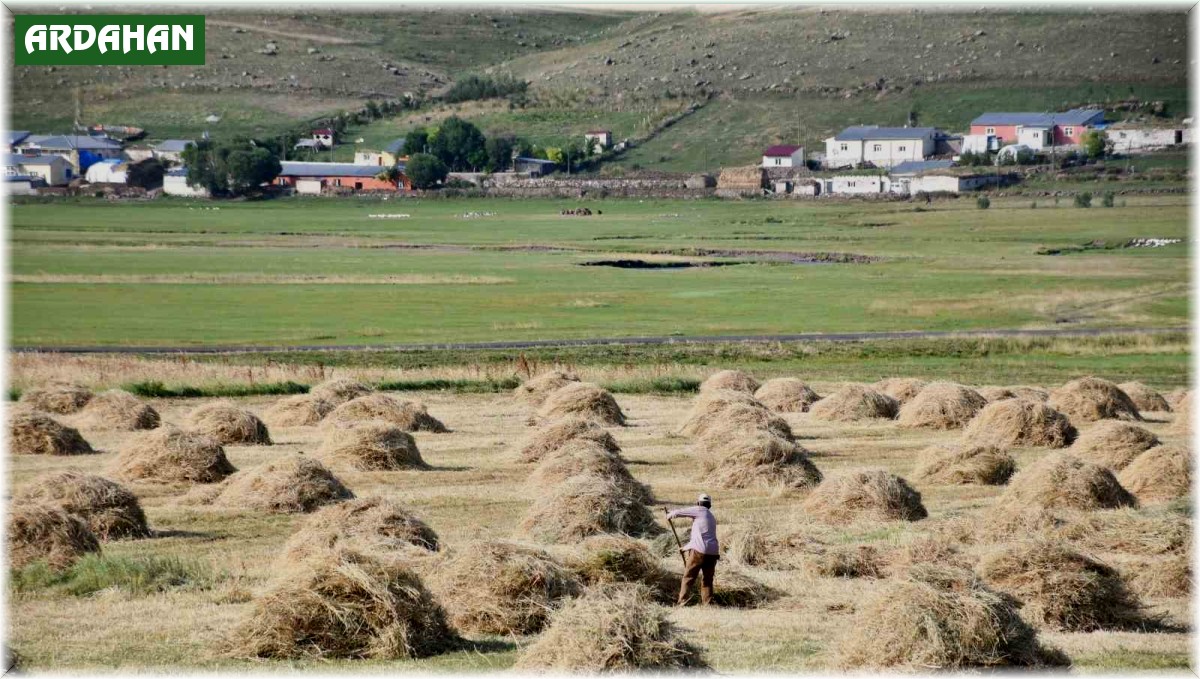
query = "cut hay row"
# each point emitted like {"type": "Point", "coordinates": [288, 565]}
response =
{"type": "Point", "coordinates": [1113, 443]}
{"type": "Point", "coordinates": [171, 455]}
{"type": "Point", "coordinates": [287, 485]}
{"type": "Point", "coordinates": [959, 463]}
{"type": "Point", "coordinates": [369, 524]}
{"type": "Point", "coordinates": [534, 390]}
{"type": "Point", "coordinates": [35, 433]}
{"type": "Point", "coordinates": [1088, 399]}
{"type": "Point", "coordinates": [583, 400]}
{"type": "Point", "coordinates": [109, 510]}
{"type": "Point", "coordinates": [855, 402]}
{"type": "Point", "coordinates": [869, 494]}
{"type": "Point", "coordinates": [941, 405]}
{"type": "Point", "coordinates": [1020, 422]}
{"type": "Point", "coordinates": [551, 437]}
{"type": "Point", "coordinates": [371, 446]}
{"type": "Point", "coordinates": [62, 398]}
{"type": "Point", "coordinates": [117, 410]}
{"type": "Point", "coordinates": [228, 424]}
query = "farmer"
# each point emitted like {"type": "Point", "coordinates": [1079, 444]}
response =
{"type": "Point", "coordinates": [701, 552]}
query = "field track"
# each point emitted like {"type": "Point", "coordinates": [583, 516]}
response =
{"type": "Point", "coordinates": [644, 341]}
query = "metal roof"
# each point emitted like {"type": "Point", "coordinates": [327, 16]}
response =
{"type": "Point", "coordinates": [174, 145]}
{"type": "Point", "coordinates": [870, 132]}
{"type": "Point", "coordinates": [781, 150]}
{"type": "Point", "coordinates": [917, 166]}
{"type": "Point", "coordinates": [70, 142]}
{"type": "Point", "coordinates": [1076, 116]}
{"type": "Point", "coordinates": [536, 160]}
{"type": "Point", "coordinates": [21, 159]}
{"type": "Point", "coordinates": [297, 169]}
{"type": "Point", "coordinates": [22, 178]}
{"type": "Point", "coordinates": [397, 146]}
{"type": "Point", "coordinates": [17, 136]}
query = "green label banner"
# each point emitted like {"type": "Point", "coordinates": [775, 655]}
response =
{"type": "Point", "coordinates": [108, 40]}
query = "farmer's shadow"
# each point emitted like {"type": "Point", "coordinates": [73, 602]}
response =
{"type": "Point", "coordinates": [449, 468]}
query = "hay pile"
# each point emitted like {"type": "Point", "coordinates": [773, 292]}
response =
{"type": "Point", "coordinates": [730, 380]}
{"type": "Point", "coordinates": [1113, 444]}
{"type": "Point", "coordinates": [903, 389]}
{"type": "Point", "coordinates": [993, 394]}
{"type": "Point", "coordinates": [110, 511]}
{"type": "Point", "coordinates": [1175, 396]}
{"type": "Point", "coordinates": [869, 494]}
{"type": "Point", "coordinates": [372, 446]}
{"type": "Point", "coordinates": [1088, 399]}
{"type": "Point", "coordinates": [1183, 415]}
{"type": "Point", "coordinates": [171, 455]}
{"type": "Point", "coordinates": [945, 618]}
{"type": "Point", "coordinates": [786, 395]}
{"type": "Point", "coordinates": [964, 462]}
{"type": "Point", "coordinates": [286, 485]}
{"type": "Point", "coordinates": [585, 400]}
{"type": "Point", "coordinates": [342, 604]}
{"type": "Point", "coordinates": [611, 628]}
{"type": "Point", "coordinates": [941, 405]}
{"type": "Point", "coordinates": [550, 437]}
{"type": "Point", "coordinates": [300, 410]}
{"type": "Point", "coordinates": [728, 413]}
{"type": "Point", "coordinates": [340, 390]}
{"type": "Point", "coordinates": [846, 561]}
{"type": "Point", "coordinates": [118, 410]}
{"type": "Point", "coordinates": [49, 534]}
{"type": "Point", "coordinates": [1020, 422]}
{"type": "Point", "coordinates": [769, 546]}
{"type": "Point", "coordinates": [855, 402]}
{"type": "Point", "coordinates": [408, 415]}
{"type": "Point", "coordinates": [34, 433]}
{"type": "Point", "coordinates": [1169, 578]}
{"type": "Point", "coordinates": [1063, 481]}
{"type": "Point", "coordinates": [62, 398]}
{"type": "Point", "coordinates": [370, 524]}
{"type": "Point", "coordinates": [498, 587]}
{"type": "Point", "coordinates": [535, 389]}
{"type": "Point", "coordinates": [1060, 588]}
{"type": "Point", "coordinates": [606, 559]}
{"type": "Point", "coordinates": [229, 424]}
{"type": "Point", "coordinates": [932, 550]}
{"type": "Point", "coordinates": [1160, 474]}
{"type": "Point", "coordinates": [1144, 398]}
{"type": "Point", "coordinates": [587, 505]}
{"type": "Point", "coordinates": [589, 458]}
{"type": "Point", "coordinates": [754, 459]}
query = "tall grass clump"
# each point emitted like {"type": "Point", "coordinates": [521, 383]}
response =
{"type": "Point", "coordinates": [135, 575]}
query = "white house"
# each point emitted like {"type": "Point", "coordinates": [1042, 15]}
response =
{"type": "Point", "coordinates": [858, 184]}
{"type": "Point", "coordinates": [175, 184]}
{"type": "Point", "coordinates": [980, 143]}
{"type": "Point", "coordinates": [880, 146]}
{"type": "Point", "coordinates": [324, 137]}
{"type": "Point", "coordinates": [600, 139]}
{"type": "Point", "coordinates": [783, 155]}
{"type": "Point", "coordinates": [1035, 137]}
{"type": "Point", "coordinates": [951, 183]}
{"type": "Point", "coordinates": [51, 169]}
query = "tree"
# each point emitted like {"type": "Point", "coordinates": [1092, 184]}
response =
{"type": "Point", "coordinates": [147, 174]}
{"type": "Point", "coordinates": [1095, 144]}
{"type": "Point", "coordinates": [499, 152]}
{"type": "Point", "coordinates": [983, 203]}
{"type": "Point", "coordinates": [457, 143]}
{"type": "Point", "coordinates": [234, 167]}
{"type": "Point", "coordinates": [416, 141]}
{"type": "Point", "coordinates": [426, 171]}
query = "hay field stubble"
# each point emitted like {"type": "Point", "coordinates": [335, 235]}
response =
{"type": "Point", "coordinates": [476, 489]}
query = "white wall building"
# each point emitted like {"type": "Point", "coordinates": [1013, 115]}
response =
{"type": "Point", "coordinates": [980, 143]}
{"type": "Point", "coordinates": [858, 184]}
{"type": "Point", "coordinates": [175, 184]}
{"type": "Point", "coordinates": [783, 155]}
{"type": "Point", "coordinates": [1130, 138]}
{"type": "Point", "coordinates": [880, 146]}
{"type": "Point", "coordinates": [1034, 137]}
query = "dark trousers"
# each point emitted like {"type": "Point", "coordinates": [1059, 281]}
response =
{"type": "Point", "coordinates": [698, 564]}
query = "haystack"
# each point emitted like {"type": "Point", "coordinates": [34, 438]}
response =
{"type": "Point", "coordinates": [46, 533]}
{"type": "Point", "coordinates": [1160, 474]}
{"type": "Point", "coordinates": [343, 604]}
{"type": "Point", "coordinates": [62, 398]}
{"type": "Point", "coordinates": [1113, 444]}
{"type": "Point", "coordinates": [585, 400]}
{"type": "Point", "coordinates": [1169, 578]}
{"type": "Point", "coordinates": [110, 511]}
{"type": "Point", "coordinates": [903, 389]}
{"type": "Point", "coordinates": [1144, 398]}
{"type": "Point", "coordinates": [870, 494]}
{"type": "Point", "coordinates": [941, 405]}
{"type": "Point", "coordinates": [855, 402]}
{"type": "Point", "coordinates": [118, 410]}
{"type": "Point", "coordinates": [300, 410]}
{"type": "Point", "coordinates": [1061, 588]}
{"type": "Point", "coordinates": [229, 424]}
{"type": "Point", "coordinates": [171, 455]}
{"type": "Point", "coordinates": [587, 505]}
{"type": "Point", "coordinates": [340, 390]}
{"type": "Point", "coordinates": [1182, 424]}
{"type": "Point", "coordinates": [1062, 481]}
{"type": "Point", "coordinates": [731, 380]}
{"type": "Point", "coordinates": [993, 394]}
{"type": "Point", "coordinates": [755, 459]}
{"type": "Point", "coordinates": [964, 462]}
{"type": "Point", "coordinates": [786, 395]}
{"type": "Point", "coordinates": [535, 389]}
{"type": "Point", "coordinates": [941, 617]}
{"type": "Point", "coordinates": [928, 549]}
{"type": "Point", "coordinates": [1088, 399]}
{"type": "Point", "coordinates": [1031, 393]}
{"type": "Point", "coordinates": [1175, 396]}
{"type": "Point", "coordinates": [846, 561]}
{"type": "Point", "coordinates": [498, 587]}
{"type": "Point", "coordinates": [286, 485]}
{"type": "Point", "coordinates": [408, 415]}
{"type": "Point", "coordinates": [35, 433]}
{"type": "Point", "coordinates": [371, 446]}
{"type": "Point", "coordinates": [586, 457]}
{"type": "Point", "coordinates": [369, 524]}
{"type": "Point", "coordinates": [731, 414]}
{"type": "Point", "coordinates": [550, 437]}
{"type": "Point", "coordinates": [611, 628]}
{"type": "Point", "coordinates": [606, 559]}
{"type": "Point", "coordinates": [1020, 422]}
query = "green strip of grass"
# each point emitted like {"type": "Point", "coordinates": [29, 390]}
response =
{"type": "Point", "coordinates": [459, 386]}
{"type": "Point", "coordinates": [140, 576]}
{"type": "Point", "coordinates": [154, 389]}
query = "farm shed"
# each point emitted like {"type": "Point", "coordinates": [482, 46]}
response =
{"type": "Point", "coordinates": [1126, 137]}
{"type": "Point", "coordinates": [599, 138]}
{"type": "Point", "coordinates": [22, 184]}
{"type": "Point", "coordinates": [938, 182]}
{"type": "Point", "coordinates": [536, 167]}
{"type": "Point", "coordinates": [783, 155]}
{"type": "Point", "coordinates": [314, 178]}
{"type": "Point", "coordinates": [741, 181]}
{"type": "Point", "coordinates": [175, 184]}
{"type": "Point", "coordinates": [859, 184]}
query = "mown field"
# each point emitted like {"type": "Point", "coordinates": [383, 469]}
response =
{"type": "Point", "coordinates": [325, 272]}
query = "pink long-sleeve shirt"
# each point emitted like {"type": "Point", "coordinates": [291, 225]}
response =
{"type": "Point", "coordinates": [704, 529]}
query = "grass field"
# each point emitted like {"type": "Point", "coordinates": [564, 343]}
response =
{"type": "Point", "coordinates": [316, 272]}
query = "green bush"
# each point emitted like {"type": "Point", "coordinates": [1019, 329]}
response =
{"type": "Point", "coordinates": [1033, 205]}
{"type": "Point", "coordinates": [141, 575]}
{"type": "Point", "coordinates": [983, 202]}
{"type": "Point", "coordinates": [1107, 200]}
{"type": "Point", "coordinates": [1083, 199]}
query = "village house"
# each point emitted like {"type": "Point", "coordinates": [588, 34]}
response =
{"type": "Point", "coordinates": [1127, 137]}
{"type": "Point", "coordinates": [600, 139]}
{"type": "Point", "coordinates": [316, 178]}
{"type": "Point", "coordinates": [324, 137]}
{"type": "Point", "coordinates": [783, 155]}
{"type": "Point", "coordinates": [78, 150]}
{"type": "Point", "coordinates": [172, 149]}
{"type": "Point", "coordinates": [392, 154]}
{"type": "Point", "coordinates": [534, 167]}
{"type": "Point", "coordinates": [879, 146]}
{"type": "Point", "coordinates": [938, 176]}
{"type": "Point", "coordinates": [15, 138]}
{"type": "Point", "coordinates": [858, 184]}
{"type": "Point", "coordinates": [51, 169]}
{"type": "Point", "coordinates": [22, 184]}
{"type": "Point", "coordinates": [175, 184]}
{"type": "Point", "coordinates": [1038, 130]}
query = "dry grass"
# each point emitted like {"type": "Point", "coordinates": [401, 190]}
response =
{"type": "Point", "coordinates": [117, 410]}
{"type": "Point", "coordinates": [1175, 396]}
{"type": "Point", "coordinates": [1146, 399]}
{"type": "Point", "coordinates": [855, 402]}
{"type": "Point", "coordinates": [786, 395]}
{"type": "Point", "coordinates": [300, 410]}
{"type": "Point", "coordinates": [343, 604]}
{"type": "Point", "coordinates": [48, 534]}
{"type": "Point", "coordinates": [928, 549]}
{"type": "Point", "coordinates": [1183, 415]}
{"type": "Point", "coordinates": [903, 389]}
{"type": "Point", "coordinates": [847, 561]}
{"type": "Point", "coordinates": [606, 559]}
{"type": "Point", "coordinates": [408, 415]}
{"type": "Point", "coordinates": [941, 405]}
{"type": "Point", "coordinates": [1063, 481]}
{"type": "Point", "coordinates": [286, 485]}
{"type": "Point", "coordinates": [611, 628]}
{"type": "Point", "coordinates": [535, 390]}
{"type": "Point", "coordinates": [964, 462]}
{"type": "Point", "coordinates": [591, 459]}
{"type": "Point", "coordinates": [339, 390]}
{"type": "Point", "coordinates": [1020, 422]}
{"type": "Point", "coordinates": [369, 524]}
{"type": "Point", "coordinates": [584, 400]}
{"type": "Point", "coordinates": [771, 546]}
{"type": "Point", "coordinates": [1160, 474]}
{"type": "Point", "coordinates": [755, 459]}
{"type": "Point", "coordinates": [730, 380]}
{"type": "Point", "coordinates": [229, 424]}
{"type": "Point", "coordinates": [587, 505]}
{"type": "Point", "coordinates": [993, 394]}
{"type": "Point", "coordinates": [548, 438]}
{"type": "Point", "coordinates": [498, 587]}
{"type": "Point", "coordinates": [371, 446]}
{"type": "Point", "coordinates": [171, 455]}
{"type": "Point", "coordinates": [34, 433]}
{"type": "Point", "coordinates": [62, 398]}
{"type": "Point", "coordinates": [728, 420]}
{"type": "Point", "coordinates": [1169, 578]}
{"type": "Point", "coordinates": [110, 511]}
{"type": "Point", "coordinates": [1088, 399]}
{"type": "Point", "coordinates": [1112, 443]}
{"type": "Point", "coordinates": [869, 494]}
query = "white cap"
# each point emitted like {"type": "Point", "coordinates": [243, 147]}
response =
{"type": "Point", "coordinates": [704, 498]}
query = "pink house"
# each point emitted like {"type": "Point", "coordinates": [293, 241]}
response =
{"type": "Point", "coordinates": [1065, 128]}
